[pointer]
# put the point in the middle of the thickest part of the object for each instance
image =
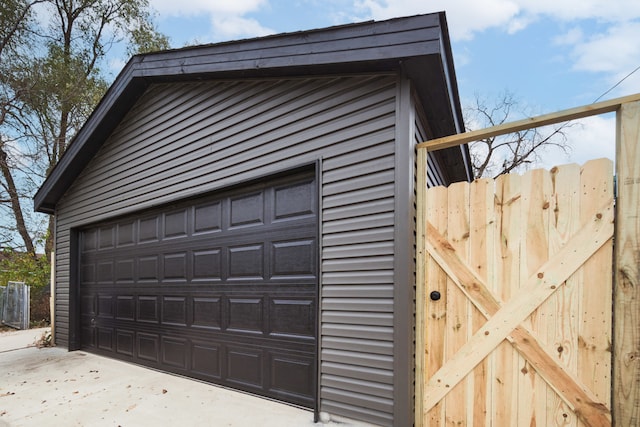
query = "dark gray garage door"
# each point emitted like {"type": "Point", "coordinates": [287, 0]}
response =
{"type": "Point", "coordinates": [222, 288]}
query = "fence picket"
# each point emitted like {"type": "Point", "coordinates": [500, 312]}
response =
{"type": "Point", "coordinates": [512, 251]}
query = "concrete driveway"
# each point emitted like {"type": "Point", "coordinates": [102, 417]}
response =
{"type": "Point", "coordinates": [54, 387]}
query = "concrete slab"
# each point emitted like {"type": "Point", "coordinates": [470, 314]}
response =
{"type": "Point", "coordinates": [15, 339]}
{"type": "Point", "coordinates": [54, 387]}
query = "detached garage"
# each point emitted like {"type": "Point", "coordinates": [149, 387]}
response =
{"type": "Point", "coordinates": [243, 213]}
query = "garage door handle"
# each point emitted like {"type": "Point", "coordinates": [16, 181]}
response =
{"type": "Point", "coordinates": [93, 322]}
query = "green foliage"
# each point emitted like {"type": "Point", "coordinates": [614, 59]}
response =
{"type": "Point", "coordinates": [23, 267]}
{"type": "Point", "coordinates": [144, 38]}
{"type": "Point", "coordinates": [15, 18]}
{"type": "Point", "coordinates": [53, 56]}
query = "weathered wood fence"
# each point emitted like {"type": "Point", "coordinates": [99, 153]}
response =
{"type": "Point", "coordinates": [522, 315]}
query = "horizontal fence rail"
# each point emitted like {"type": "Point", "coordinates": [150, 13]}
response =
{"type": "Point", "coordinates": [509, 340]}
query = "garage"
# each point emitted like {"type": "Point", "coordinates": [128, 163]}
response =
{"type": "Point", "coordinates": [222, 288]}
{"type": "Point", "coordinates": [243, 213]}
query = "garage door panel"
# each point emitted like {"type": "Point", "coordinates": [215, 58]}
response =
{"type": "Point", "coordinates": [175, 352]}
{"type": "Point", "coordinates": [207, 313]}
{"type": "Point", "coordinates": [125, 342]}
{"type": "Point", "coordinates": [105, 272]}
{"type": "Point", "coordinates": [89, 240]}
{"type": "Point", "coordinates": [294, 258]}
{"type": "Point", "coordinates": [207, 264]}
{"type": "Point", "coordinates": [246, 262]}
{"type": "Point", "coordinates": [125, 307]}
{"type": "Point", "coordinates": [125, 234]}
{"type": "Point", "coordinates": [245, 315]}
{"type": "Point", "coordinates": [292, 317]}
{"type": "Point", "coordinates": [149, 229]}
{"type": "Point", "coordinates": [105, 306]}
{"type": "Point", "coordinates": [244, 366]}
{"type": "Point", "coordinates": [106, 238]}
{"type": "Point", "coordinates": [207, 218]}
{"type": "Point", "coordinates": [87, 274]}
{"type": "Point", "coordinates": [148, 346]}
{"type": "Point", "coordinates": [88, 334]}
{"type": "Point", "coordinates": [292, 201]}
{"type": "Point", "coordinates": [147, 309]}
{"type": "Point", "coordinates": [175, 266]}
{"type": "Point", "coordinates": [247, 210]}
{"type": "Point", "coordinates": [148, 268]}
{"type": "Point", "coordinates": [174, 311]}
{"type": "Point", "coordinates": [88, 304]}
{"type": "Point", "coordinates": [105, 339]}
{"type": "Point", "coordinates": [291, 375]}
{"type": "Point", "coordinates": [222, 288]}
{"type": "Point", "coordinates": [175, 224]}
{"type": "Point", "coordinates": [125, 270]}
{"type": "Point", "coordinates": [206, 360]}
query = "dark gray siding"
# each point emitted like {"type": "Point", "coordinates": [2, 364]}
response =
{"type": "Point", "coordinates": [372, 43]}
{"type": "Point", "coordinates": [422, 133]}
{"type": "Point", "coordinates": [185, 139]}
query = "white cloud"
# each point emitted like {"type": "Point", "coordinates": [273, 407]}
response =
{"type": "Point", "coordinates": [614, 53]}
{"type": "Point", "coordinates": [571, 37]}
{"type": "Point", "coordinates": [617, 49]}
{"type": "Point", "coordinates": [230, 27]}
{"type": "Point", "coordinates": [228, 20]}
{"type": "Point", "coordinates": [570, 10]}
{"type": "Point", "coordinates": [466, 18]}
{"type": "Point", "coordinates": [589, 138]}
{"type": "Point", "coordinates": [212, 7]}
{"type": "Point", "coordinates": [608, 55]}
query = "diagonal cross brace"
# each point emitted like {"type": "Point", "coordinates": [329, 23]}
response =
{"type": "Point", "coordinates": [506, 319]}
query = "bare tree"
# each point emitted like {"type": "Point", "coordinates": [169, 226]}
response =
{"type": "Point", "coordinates": [513, 152]}
{"type": "Point", "coordinates": [16, 34]}
{"type": "Point", "coordinates": [50, 81]}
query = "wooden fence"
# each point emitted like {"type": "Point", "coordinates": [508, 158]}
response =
{"type": "Point", "coordinates": [518, 318]}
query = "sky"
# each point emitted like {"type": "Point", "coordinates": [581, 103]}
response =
{"type": "Point", "coordinates": [550, 54]}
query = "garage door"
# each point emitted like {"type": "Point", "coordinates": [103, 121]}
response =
{"type": "Point", "coordinates": [222, 289]}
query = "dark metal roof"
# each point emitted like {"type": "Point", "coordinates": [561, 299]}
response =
{"type": "Point", "coordinates": [417, 46]}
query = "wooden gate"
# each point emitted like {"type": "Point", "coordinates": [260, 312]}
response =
{"type": "Point", "coordinates": [515, 290]}
{"type": "Point", "coordinates": [519, 308]}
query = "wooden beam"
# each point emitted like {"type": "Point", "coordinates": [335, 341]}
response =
{"type": "Point", "coordinates": [626, 308]}
{"type": "Point", "coordinates": [532, 122]}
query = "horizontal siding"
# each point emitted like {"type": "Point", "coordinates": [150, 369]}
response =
{"type": "Point", "coordinates": [384, 391]}
{"type": "Point", "coordinates": [337, 406]}
{"type": "Point", "coordinates": [344, 200]}
{"type": "Point", "coordinates": [422, 133]}
{"type": "Point", "coordinates": [195, 171]}
{"type": "Point", "coordinates": [354, 291]}
{"type": "Point", "coordinates": [358, 250]}
{"type": "Point", "coordinates": [358, 283]}
{"type": "Point", "coordinates": [367, 373]}
{"type": "Point", "coordinates": [376, 404]}
{"type": "Point", "coordinates": [357, 318]}
{"type": "Point", "coordinates": [355, 344]}
{"type": "Point", "coordinates": [187, 139]}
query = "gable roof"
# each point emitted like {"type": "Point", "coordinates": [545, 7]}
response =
{"type": "Point", "coordinates": [417, 46]}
